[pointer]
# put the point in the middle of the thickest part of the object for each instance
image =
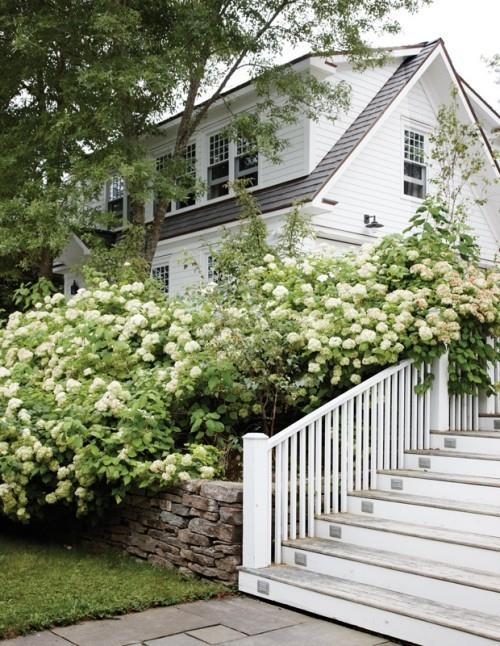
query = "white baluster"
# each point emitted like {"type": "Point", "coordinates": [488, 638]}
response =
{"type": "Point", "coordinates": [401, 418]}
{"type": "Point", "coordinates": [394, 422]}
{"type": "Point", "coordinates": [335, 460]}
{"type": "Point", "coordinates": [350, 445]}
{"type": "Point", "coordinates": [278, 498]}
{"type": "Point", "coordinates": [374, 437]}
{"type": "Point", "coordinates": [366, 439]}
{"type": "Point", "coordinates": [318, 425]}
{"type": "Point", "coordinates": [358, 430]}
{"type": "Point", "coordinates": [293, 487]}
{"type": "Point", "coordinates": [303, 484]}
{"type": "Point", "coordinates": [344, 456]}
{"type": "Point", "coordinates": [387, 423]}
{"type": "Point", "coordinates": [328, 463]}
{"type": "Point", "coordinates": [310, 479]}
{"type": "Point", "coordinates": [284, 489]}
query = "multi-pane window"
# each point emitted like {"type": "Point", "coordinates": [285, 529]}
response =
{"type": "Point", "coordinates": [246, 162]}
{"type": "Point", "coordinates": [218, 169]}
{"type": "Point", "coordinates": [161, 273]}
{"type": "Point", "coordinates": [211, 272]}
{"type": "Point", "coordinates": [190, 157]}
{"type": "Point", "coordinates": [414, 164]}
{"type": "Point", "coordinates": [115, 197]}
{"type": "Point", "coordinates": [161, 164]}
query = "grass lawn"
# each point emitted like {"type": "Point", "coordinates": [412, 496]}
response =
{"type": "Point", "coordinates": [43, 585]}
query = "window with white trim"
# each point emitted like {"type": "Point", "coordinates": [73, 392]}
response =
{"type": "Point", "coordinates": [115, 194]}
{"type": "Point", "coordinates": [161, 164]}
{"type": "Point", "coordinates": [415, 169]}
{"type": "Point", "coordinates": [246, 162]}
{"type": "Point", "coordinates": [162, 275]}
{"type": "Point", "coordinates": [211, 272]}
{"type": "Point", "coordinates": [190, 157]}
{"type": "Point", "coordinates": [218, 168]}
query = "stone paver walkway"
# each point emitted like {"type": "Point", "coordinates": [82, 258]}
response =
{"type": "Point", "coordinates": [241, 621]}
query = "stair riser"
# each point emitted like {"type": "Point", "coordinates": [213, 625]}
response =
{"type": "Point", "coordinates": [381, 621]}
{"type": "Point", "coordinates": [451, 464]}
{"type": "Point", "coordinates": [451, 553]}
{"type": "Point", "coordinates": [488, 423]}
{"type": "Point", "coordinates": [431, 516]}
{"type": "Point", "coordinates": [466, 444]}
{"type": "Point", "coordinates": [455, 594]}
{"type": "Point", "coordinates": [441, 489]}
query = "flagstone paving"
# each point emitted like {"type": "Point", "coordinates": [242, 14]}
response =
{"type": "Point", "coordinates": [239, 621]}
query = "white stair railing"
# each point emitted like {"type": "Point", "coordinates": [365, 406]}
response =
{"type": "Point", "coordinates": [465, 409]}
{"type": "Point", "coordinates": [314, 464]}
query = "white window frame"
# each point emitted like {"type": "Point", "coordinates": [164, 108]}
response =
{"type": "Point", "coordinates": [212, 164]}
{"type": "Point", "coordinates": [161, 271]}
{"type": "Point", "coordinates": [239, 152]}
{"type": "Point", "coordinates": [193, 171]}
{"type": "Point", "coordinates": [423, 131]}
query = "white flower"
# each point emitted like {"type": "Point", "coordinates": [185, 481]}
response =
{"type": "Point", "coordinates": [192, 346]}
{"type": "Point", "coordinates": [280, 291]}
{"type": "Point", "coordinates": [24, 354]}
{"type": "Point", "coordinates": [72, 385]}
{"type": "Point", "coordinates": [313, 367]}
{"type": "Point", "coordinates": [186, 460]}
{"type": "Point", "coordinates": [314, 345]}
{"type": "Point", "coordinates": [195, 372]}
{"type": "Point", "coordinates": [425, 333]}
{"type": "Point", "coordinates": [335, 342]}
{"type": "Point", "coordinates": [293, 338]}
{"type": "Point", "coordinates": [4, 372]}
{"type": "Point", "coordinates": [268, 258]}
{"type": "Point", "coordinates": [207, 472]}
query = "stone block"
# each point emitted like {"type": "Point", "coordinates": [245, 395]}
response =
{"type": "Point", "coordinates": [180, 509]}
{"type": "Point", "coordinates": [191, 538]}
{"type": "Point", "coordinates": [172, 519]}
{"type": "Point", "coordinates": [228, 549]}
{"type": "Point", "coordinates": [208, 515]}
{"type": "Point", "coordinates": [231, 515]}
{"type": "Point", "coordinates": [226, 533]}
{"type": "Point", "coordinates": [199, 502]}
{"type": "Point", "coordinates": [230, 492]}
{"type": "Point", "coordinates": [228, 563]}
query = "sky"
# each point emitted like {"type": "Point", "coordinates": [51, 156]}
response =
{"type": "Point", "coordinates": [470, 29]}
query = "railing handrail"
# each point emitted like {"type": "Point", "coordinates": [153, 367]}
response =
{"type": "Point", "coordinates": [335, 403]}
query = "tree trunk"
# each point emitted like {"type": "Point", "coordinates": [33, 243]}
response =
{"type": "Point", "coordinates": [45, 265]}
{"type": "Point", "coordinates": [154, 230]}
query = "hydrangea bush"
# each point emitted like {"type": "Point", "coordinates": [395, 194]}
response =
{"type": "Point", "coordinates": [99, 394]}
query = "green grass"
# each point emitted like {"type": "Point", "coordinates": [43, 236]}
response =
{"type": "Point", "coordinates": [43, 585]}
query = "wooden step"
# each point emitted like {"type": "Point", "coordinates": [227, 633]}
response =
{"type": "Point", "coordinates": [478, 551]}
{"type": "Point", "coordinates": [457, 462]}
{"type": "Point", "coordinates": [397, 615]}
{"type": "Point", "coordinates": [443, 485]}
{"type": "Point", "coordinates": [425, 510]}
{"type": "Point", "coordinates": [465, 587]}
{"type": "Point", "coordinates": [487, 442]}
{"type": "Point", "coordinates": [489, 422]}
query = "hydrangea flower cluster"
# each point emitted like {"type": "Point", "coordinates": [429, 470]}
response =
{"type": "Point", "coordinates": [98, 393]}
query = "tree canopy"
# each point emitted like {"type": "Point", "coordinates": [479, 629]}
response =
{"type": "Point", "coordinates": [86, 81]}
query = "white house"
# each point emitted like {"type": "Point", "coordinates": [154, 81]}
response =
{"type": "Point", "coordinates": [343, 171]}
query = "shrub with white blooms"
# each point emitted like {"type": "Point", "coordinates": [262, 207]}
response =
{"type": "Point", "coordinates": [97, 393]}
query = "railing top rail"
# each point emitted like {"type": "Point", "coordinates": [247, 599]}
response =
{"type": "Point", "coordinates": [335, 403]}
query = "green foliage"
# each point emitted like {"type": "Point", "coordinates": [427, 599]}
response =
{"type": "Point", "coordinates": [458, 157]}
{"type": "Point", "coordinates": [28, 294]}
{"type": "Point", "coordinates": [85, 82]}
{"type": "Point", "coordinates": [296, 229]}
{"type": "Point", "coordinates": [43, 584]}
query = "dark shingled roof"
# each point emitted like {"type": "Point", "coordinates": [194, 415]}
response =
{"type": "Point", "coordinates": [304, 188]}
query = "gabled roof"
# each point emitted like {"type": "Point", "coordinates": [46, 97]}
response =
{"type": "Point", "coordinates": [280, 196]}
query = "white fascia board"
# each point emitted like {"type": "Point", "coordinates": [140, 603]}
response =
{"type": "Point", "coordinates": [383, 118]}
{"type": "Point", "coordinates": [478, 101]}
{"type": "Point", "coordinates": [339, 59]}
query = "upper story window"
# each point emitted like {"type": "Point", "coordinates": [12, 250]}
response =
{"type": "Point", "coordinates": [246, 162]}
{"type": "Point", "coordinates": [190, 157]}
{"type": "Point", "coordinates": [115, 193]}
{"type": "Point", "coordinates": [161, 164]}
{"type": "Point", "coordinates": [415, 170]}
{"type": "Point", "coordinates": [162, 274]}
{"type": "Point", "coordinates": [218, 169]}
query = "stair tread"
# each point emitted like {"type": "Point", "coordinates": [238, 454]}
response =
{"type": "Point", "coordinates": [441, 503]}
{"type": "Point", "coordinates": [397, 561]}
{"type": "Point", "coordinates": [448, 477]}
{"type": "Point", "coordinates": [490, 434]}
{"type": "Point", "coordinates": [477, 623]}
{"type": "Point", "coordinates": [453, 454]}
{"type": "Point", "coordinates": [409, 529]}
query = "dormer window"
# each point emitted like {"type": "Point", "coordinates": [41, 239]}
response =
{"type": "Point", "coordinates": [246, 162]}
{"type": "Point", "coordinates": [415, 170]}
{"type": "Point", "coordinates": [218, 169]}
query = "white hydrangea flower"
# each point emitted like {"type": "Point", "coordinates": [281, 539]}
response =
{"type": "Point", "coordinates": [280, 291]}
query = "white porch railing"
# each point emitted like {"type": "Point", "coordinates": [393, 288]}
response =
{"type": "Point", "coordinates": [465, 409]}
{"type": "Point", "coordinates": [313, 464]}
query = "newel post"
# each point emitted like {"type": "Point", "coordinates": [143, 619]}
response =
{"type": "Point", "coordinates": [256, 501]}
{"type": "Point", "coordinates": [439, 419]}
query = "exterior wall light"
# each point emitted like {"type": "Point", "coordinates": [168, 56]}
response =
{"type": "Point", "coordinates": [371, 222]}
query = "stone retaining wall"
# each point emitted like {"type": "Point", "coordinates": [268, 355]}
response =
{"type": "Point", "coordinates": [196, 527]}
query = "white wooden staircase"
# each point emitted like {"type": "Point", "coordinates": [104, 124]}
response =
{"type": "Point", "coordinates": [361, 513]}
